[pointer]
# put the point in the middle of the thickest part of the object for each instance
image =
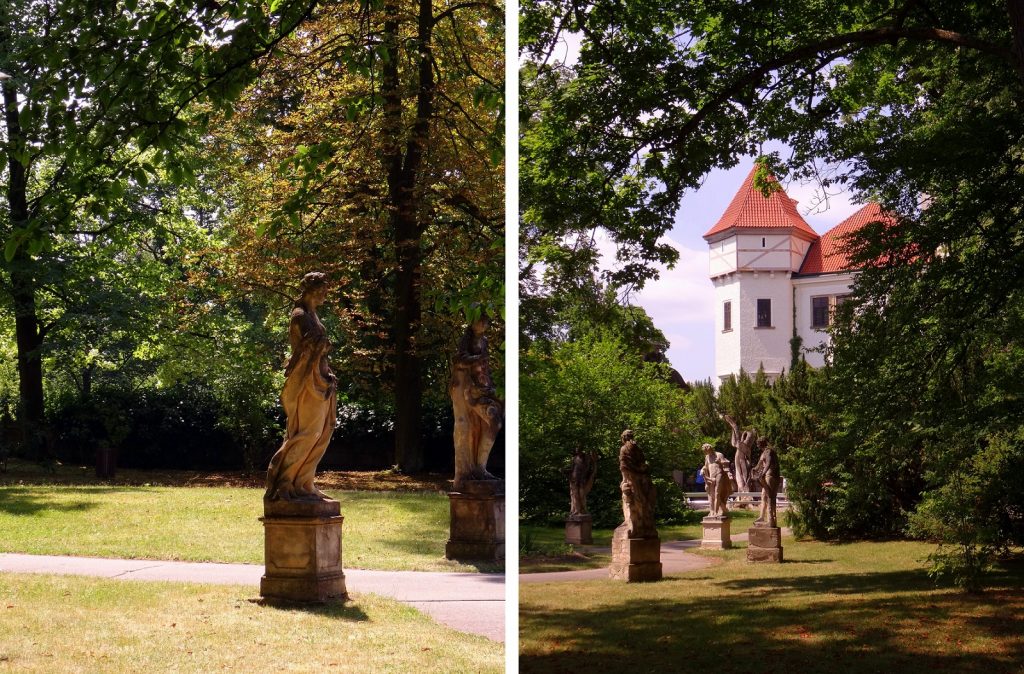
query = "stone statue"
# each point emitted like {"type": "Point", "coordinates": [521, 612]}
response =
{"type": "Point", "coordinates": [638, 494]}
{"type": "Point", "coordinates": [718, 477]}
{"type": "Point", "coordinates": [744, 444]}
{"type": "Point", "coordinates": [767, 471]}
{"type": "Point", "coordinates": [478, 411]}
{"type": "Point", "coordinates": [581, 479]}
{"type": "Point", "coordinates": [308, 398]}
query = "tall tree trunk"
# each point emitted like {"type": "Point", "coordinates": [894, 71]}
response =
{"type": "Point", "coordinates": [403, 162]}
{"type": "Point", "coordinates": [28, 335]}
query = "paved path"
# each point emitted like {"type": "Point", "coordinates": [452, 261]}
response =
{"type": "Point", "coordinates": [478, 609]}
{"type": "Point", "coordinates": [674, 559]}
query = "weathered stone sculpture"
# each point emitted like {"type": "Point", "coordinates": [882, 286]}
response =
{"type": "Point", "coordinates": [582, 472]}
{"type": "Point", "coordinates": [717, 472]}
{"type": "Point", "coordinates": [478, 499]}
{"type": "Point", "coordinates": [309, 400]}
{"type": "Point", "coordinates": [478, 411]}
{"type": "Point", "coordinates": [636, 548]}
{"type": "Point", "coordinates": [718, 478]}
{"type": "Point", "coordinates": [765, 537]}
{"type": "Point", "coordinates": [767, 472]}
{"type": "Point", "coordinates": [744, 444]}
{"type": "Point", "coordinates": [302, 527]}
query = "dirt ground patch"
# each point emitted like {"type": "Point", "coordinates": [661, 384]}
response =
{"type": "Point", "coordinates": [23, 472]}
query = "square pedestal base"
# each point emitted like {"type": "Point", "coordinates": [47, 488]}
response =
{"type": "Point", "coordinates": [716, 533]}
{"type": "Point", "coordinates": [302, 550]}
{"type": "Point", "coordinates": [477, 521]}
{"type": "Point", "coordinates": [578, 531]}
{"type": "Point", "coordinates": [765, 544]}
{"type": "Point", "coordinates": [635, 560]}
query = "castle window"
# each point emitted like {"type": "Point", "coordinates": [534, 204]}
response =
{"type": "Point", "coordinates": [764, 313]}
{"type": "Point", "coordinates": [819, 312]}
{"type": "Point", "coordinates": [727, 317]}
{"type": "Point", "coordinates": [763, 244]}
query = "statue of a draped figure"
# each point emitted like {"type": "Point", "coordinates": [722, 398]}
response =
{"type": "Point", "coordinates": [478, 411]}
{"type": "Point", "coordinates": [309, 400]}
{"type": "Point", "coordinates": [638, 495]}
{"type": "Point", "coordinates": [744, 444]}
{"type": "Point", "coordinates": [582, 473]}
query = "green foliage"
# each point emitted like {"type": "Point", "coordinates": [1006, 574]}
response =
{"type": "Point", "coordinates": [884, 100]}
{"type": "Point", "coordinates": [584, 394]}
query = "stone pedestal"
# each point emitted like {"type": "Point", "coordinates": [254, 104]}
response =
{"type": "Point", "coordinates": [635, 560]}
{"type": "Point", "coordinates": [302, 551]}
{"type": "Point", "coordinates": [477, 521]}
{"type": "Point", "coordinates": [578, 530]}
{"type": "Point", "coordinates": [716, 533]}
{"type": "Point", "coordinates": [765, 544]}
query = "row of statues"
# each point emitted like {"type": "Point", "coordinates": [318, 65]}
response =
{"type": "Point", "coordinates": [638, 490]}
{"type": "Point", "coordinates": [309, 398]}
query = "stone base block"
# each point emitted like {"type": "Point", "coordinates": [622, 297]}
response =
{"type": "Point", "coordinates": [302, 551]}
{"type": "Point", "coordinates": [716, 533]}
{"type": "Point", "coordinates": [765, 544]}
{"type": "Point", "coordinates": [477, 521]}
{"type": "Point", "coordinates": [635, 560]}
{"type": "Point", "coordinates": [765, 537]}
{"type": "Point", "coordinates": [579, 530]}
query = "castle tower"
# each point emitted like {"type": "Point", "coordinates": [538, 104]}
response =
{"type": "Point", "coordinates": [755, 248]}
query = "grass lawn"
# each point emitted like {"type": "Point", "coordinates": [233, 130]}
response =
{"type": "Point", "coordinates": [543, 548]}
{"type": "Point", "coordinates": [860, 607]}
{"type": "Point", "coordinates": [68, 624]}
{"type": "Point", "coordinates": [391, 530]}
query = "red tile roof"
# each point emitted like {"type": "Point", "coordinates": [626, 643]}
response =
{"type": "Point", "coordinates": [829, 253]}
{"type": "Point", "coordinates": [752, 210]}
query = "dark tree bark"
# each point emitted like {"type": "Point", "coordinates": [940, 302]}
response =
{"type": "Point", "coordinates": [27, 331]}
{"type": "Point", "coordinates": [403, 162]}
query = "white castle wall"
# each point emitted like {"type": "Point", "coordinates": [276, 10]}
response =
{"type": "Point", "coordinates": [829, 285]}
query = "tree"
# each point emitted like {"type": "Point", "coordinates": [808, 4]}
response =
{"type": "Point", "coordinates": [371, 148]}
{"type": "Point", "coordinates": [584, 394]}
{"type": "Point", "coordinates": [97, 96]}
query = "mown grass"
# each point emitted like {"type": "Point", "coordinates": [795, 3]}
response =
{"type": "Point", "coordinates": [861, 607]}
{"type": "Point", "coordinates": [394, 530]}
{"type": "Point", "coordinates": [68, 624]}
{"type": "Point", "coordinates": [543, 548]}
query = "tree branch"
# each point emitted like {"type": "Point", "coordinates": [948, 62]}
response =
{"type": "Point", "coordinates": [863, 38]}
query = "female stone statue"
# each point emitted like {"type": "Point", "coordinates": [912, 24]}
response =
{"type": "Point", "coordinates": [638, 493]}
{"type": "Point", "coordinates": [767, 471]}
{"type": "Point", "coordinates": [309, 399]}
{"type": "Point", "coordinates": [478, 411]}
{"type": "Point", "coordinates": [582, 473]}
{"type": "Point", "coordinates": [744, 444]}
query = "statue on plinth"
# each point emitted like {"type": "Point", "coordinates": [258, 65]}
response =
{"type": "Point", "coordinates": [582, 473]}
{"type": "Point", "coordinates": [478, 410]}
{"type": "Point", "coordinates": [767, 472]}
{"type": "Point", "coordinates": [638, 495]}
{"type": "Point", "coordinates": [718, 477]}
{"type": "Point", "coordinates": [744, 444]}
{"type": "Point", "coordinates": [309, 400]}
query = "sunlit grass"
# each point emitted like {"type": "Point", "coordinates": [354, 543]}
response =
{"type": "Point", "coordinates": [394, 530]}
{"type": "Point", "coordinates": [862, 607]}
{"type": "Point", "coordinates": [128, 626]}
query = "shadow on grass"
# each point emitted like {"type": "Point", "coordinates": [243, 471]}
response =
{"type": "Point", "coordinates": [345, 610]}
{"type": "Point", "coordinates": [754, 626]}
{"type": "Point", "coordinates": [33, 500]}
